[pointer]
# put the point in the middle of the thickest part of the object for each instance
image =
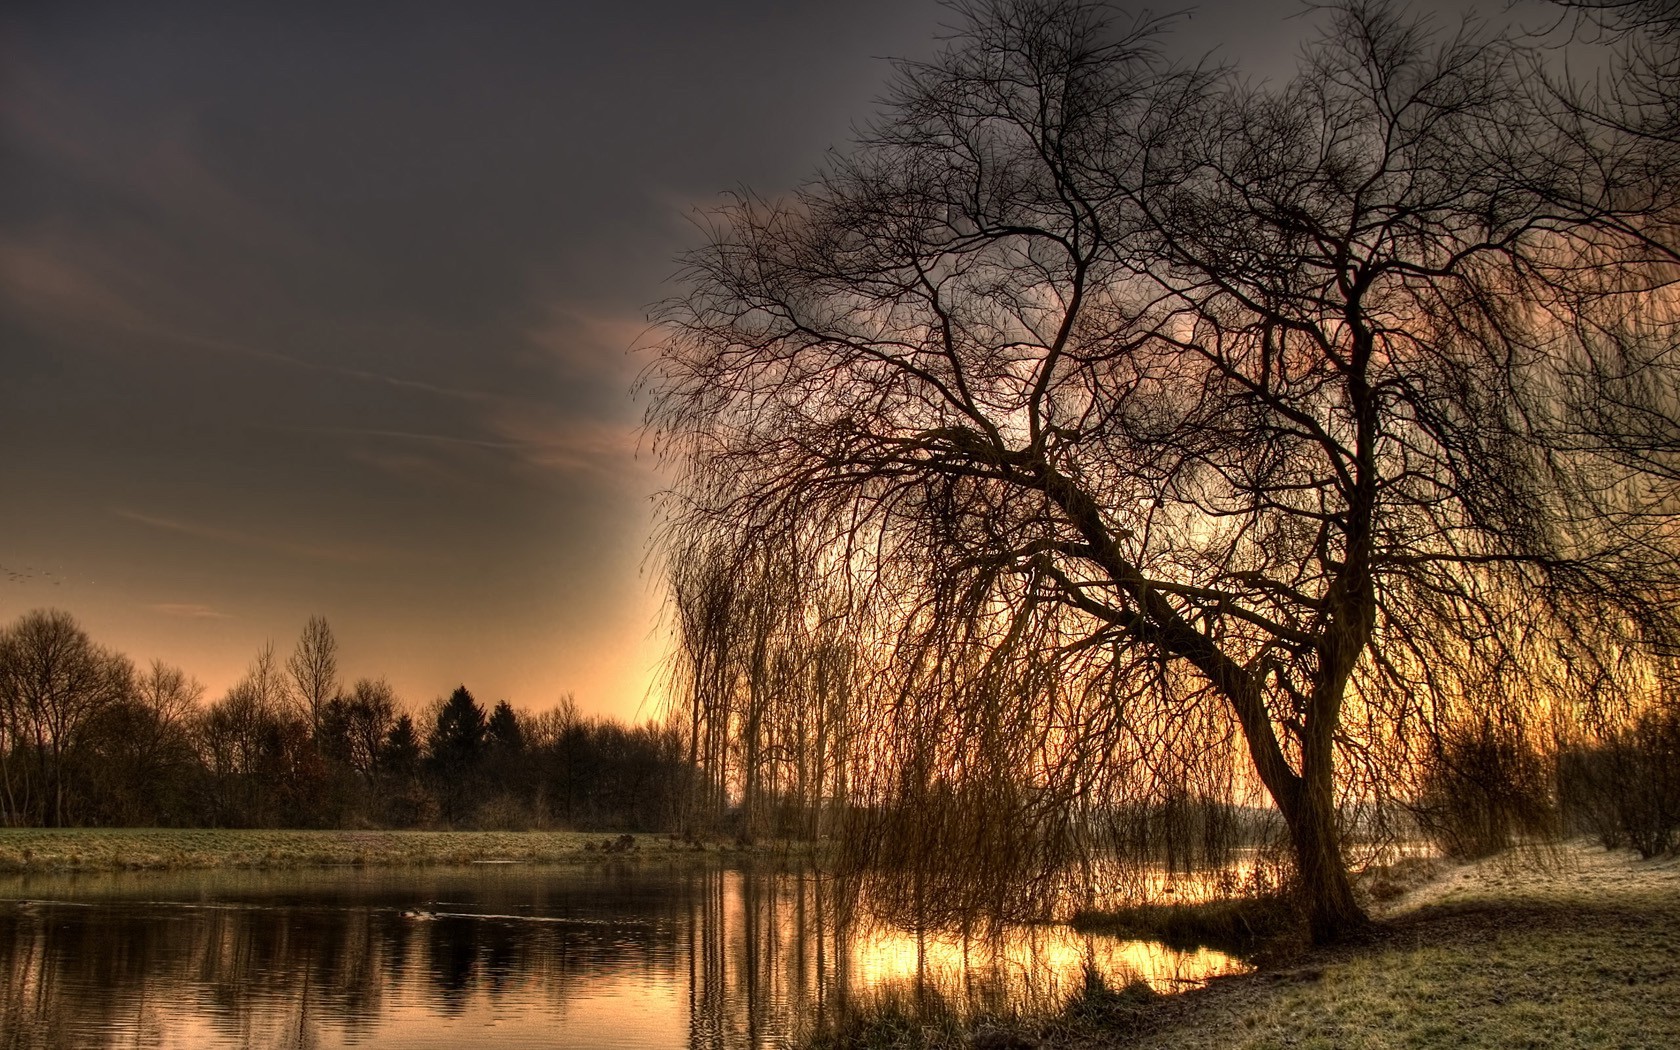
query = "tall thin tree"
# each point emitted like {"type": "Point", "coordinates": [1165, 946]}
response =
{"type": "Point", "coordinates": [313, 669]}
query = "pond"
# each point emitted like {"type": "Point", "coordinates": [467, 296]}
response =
{"type": "Point", "coordinates": [499, 956]}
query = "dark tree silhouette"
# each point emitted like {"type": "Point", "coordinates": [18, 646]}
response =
{"type": "Point", "coordinates": [353, 728]}
{"type": "Point", "coordinates": [54, 684]}
{"type": "Point", "coordinates": [402, 800]}
{"type": "Point", "coordinates": [136, 764]}
{"type": "Point", "coordinates": [86, 741]}
{"type": "Point", "coordinates": [399, 755]}
{"type": "Point", "coordinates": [455, 754]}
{"type": "Point", "coordinates": [261, 767]}
{"type": "Point", "coordinates": [1128, 410]}
{"type": "Point", "coordinates": [1638, 91]}
{"type": "Point", "coordinates": [313, 669]}
{"type": "Point", "coordinates": [503, 733]}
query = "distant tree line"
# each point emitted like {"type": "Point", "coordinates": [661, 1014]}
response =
{"type": "Point", "coordinates": [89, 739]}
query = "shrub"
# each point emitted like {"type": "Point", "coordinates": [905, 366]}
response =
{"type": "Point", "coordinates": [1485, 787]}
{"type": "Point", "coordinates": [1625, 789]}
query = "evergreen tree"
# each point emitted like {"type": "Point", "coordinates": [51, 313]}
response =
{"type": "Point", "coordinates": [456, 751]}
{"type": "Point", "coordinates": [506, 736]}
{"type": "Point", "coordinates": [508, 770]}
{"type": "Point", "coordinates": [399, 755]}
{"type": "Point", "coordinates": [403, 799]}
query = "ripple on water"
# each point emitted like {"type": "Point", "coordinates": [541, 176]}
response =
{"type": "Point", "coordinates": [497, 956]}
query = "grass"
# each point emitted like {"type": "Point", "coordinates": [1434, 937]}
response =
{"type": "Point", "coordinates": [1576, 949]}
{"type": "Point", "coordinates": [1240, 927]}
{"type": "Point", "coordinates": [1571, 949]}
{"type": "Point", "coordinates": [894, 1018]}
{"type": "Point", "coordinates": [116, 849]}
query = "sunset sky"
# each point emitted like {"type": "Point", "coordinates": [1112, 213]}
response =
{"type": "Point", "coordinates": [331, 309]}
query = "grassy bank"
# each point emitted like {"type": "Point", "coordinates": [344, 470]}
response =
{"type": "Point", "coordinates": [1580, 948]}
{"type": "Point", "coordinates": [1573, 949]}
{"type": "Point", "coordinates": [115, 849]}
{"type": "Point", "coordinates": [1239, 927]}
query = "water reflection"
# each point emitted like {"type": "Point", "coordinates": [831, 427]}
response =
{"type": "Point", "coordinates": [614, 957]}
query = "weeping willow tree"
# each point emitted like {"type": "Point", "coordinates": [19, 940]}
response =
{"type": "Point", "coordinates": [768, 678]}
{"type": "Point", "coordinates": [1139, 435]}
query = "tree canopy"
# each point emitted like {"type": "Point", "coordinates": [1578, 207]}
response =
{"type": "Point", "coordinates": [1130, 417]}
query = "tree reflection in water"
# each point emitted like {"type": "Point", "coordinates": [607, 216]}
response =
{"type": "Point", "coordinates": [713, 959]}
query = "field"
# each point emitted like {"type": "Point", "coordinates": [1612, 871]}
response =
{"type": "Point", "coordinates": [81, 849]}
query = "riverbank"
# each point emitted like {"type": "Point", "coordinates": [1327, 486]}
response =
{"type": "Point", "coordinates": [1571, 948]}
{"type": "Point", "coordinates": [1568, 949]}
{"type": "Point", "coordinates": [121, 849]}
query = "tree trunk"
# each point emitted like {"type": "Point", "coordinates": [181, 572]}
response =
{"type": "Point", "coordinates": [1332, 912]}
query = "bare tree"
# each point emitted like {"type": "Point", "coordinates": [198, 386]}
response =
{"type": "Point", "coordinates": [1638, 89]}
{"type": "Point", "coordinates": [53, 682]}
{"type": "Point", "coordinates": [313, 669]}
{"type": "Point", "coordinates": [765, 672]}
{"type": "Point", "coordinates": [367, 714]}
{"type": "Point", "coordinates": [252, 742]}
{"type": "Point", "coordinates": [1138, 413]}
{"type": "Point", "coordinates": [169, 693]}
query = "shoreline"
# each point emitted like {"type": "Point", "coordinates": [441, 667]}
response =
{"type": "Point", "coordinates": [1566, 946]}
{"type": "Point", "coordinates": [40, 850]}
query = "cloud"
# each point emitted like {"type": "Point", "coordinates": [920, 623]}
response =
{"type": "Point", "coordinates": [189, 610]}
{"type": "Point", "coordinates": [539, 436]}
{"type": "Point", "coordinates": [60, 280]}
{"type": "Point", "coordinates": [523, 435]}
{"type": "Point", "coordinates": [583, 345]}
{"type": "Point", "coordinates": [151, 157]}
{"type": "Point", "coordinates": [344, 553]}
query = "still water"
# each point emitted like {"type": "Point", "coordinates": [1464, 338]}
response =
{"type": "Point", "coordinates": [498, 956]}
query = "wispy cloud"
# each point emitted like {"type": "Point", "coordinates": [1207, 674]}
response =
{"type": "Point", "coordinates": [420, 437]}
{"type": "Point", "coordinates": [61, 283]}
{"type": "Point", "coordinates": [522, 436]}
{"type": "Point", "coordinates": [344, 552]}
{"type": "Point", "coordinates": [581, 344]}
{"type": "Point", "coordinates": [153, 158]}
{"type": "Point", "coordinates": [543, 438]}
{"type": "Point", "coordinates": [189, 610]}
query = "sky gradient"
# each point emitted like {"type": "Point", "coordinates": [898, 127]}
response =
{"type": "Point", "coordinates": [333, 310]}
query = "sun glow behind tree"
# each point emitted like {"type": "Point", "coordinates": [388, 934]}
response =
{"type": "Point", "coordinates": [1116, 418]}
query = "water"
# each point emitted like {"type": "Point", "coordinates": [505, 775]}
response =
{"type": "Point", "coordinates": [498, 956]}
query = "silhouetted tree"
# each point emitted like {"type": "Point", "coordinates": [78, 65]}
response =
{"type": "Point", "coordinates": [262, 768]}
{"type": "Point", "coordinates": [1624, 787]}
{"type": "Point", "coordinates": [455, 755]}
{"type": "Point", "coordinates": [1638, 91]}
{"type": "Point", "coordinates": [402, 798]}
{"type": "Point", "coordinates": [83, 740]}
{"type": "Point", "coordinates": [54, 684]}
{"type": "Point", "coordinates": [399, 755]}
{"type": "Point", "coordinates": [503, 732]}
{"type": "Point", "coordinates": [137, 765]}
{"type": "Point", "coordinates": [360, 723]}
{"type": "Point", "coordinates": [1132, 412]}
{"type": "Point", "coordinates": [507, 769]}
{"type": "Point", "coordinates": [313, 668]}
